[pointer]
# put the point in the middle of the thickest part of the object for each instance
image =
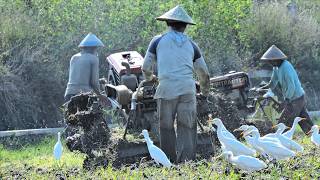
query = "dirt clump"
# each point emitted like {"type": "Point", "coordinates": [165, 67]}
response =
{"type": "Point", "coordinates": [220, 106]}
{"type": "Point", "coordinates": [86, 126]}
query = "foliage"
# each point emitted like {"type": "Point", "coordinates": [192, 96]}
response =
{"type": "Point", "coordinates": [37, 39]}
{"type": "Point", "coordinates": [298, 36]}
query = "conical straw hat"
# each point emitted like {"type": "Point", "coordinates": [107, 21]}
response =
{"type": "Point", "coordinates": [91, 40]}
{"type": "Point", "coordinates": [176, 14]}
{"type": "Point", "coordinates": [274, 53]}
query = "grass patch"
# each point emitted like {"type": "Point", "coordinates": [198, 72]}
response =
{"type": "Point", "coordinates": [37, 162]}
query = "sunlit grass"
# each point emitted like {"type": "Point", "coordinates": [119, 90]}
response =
{"type": "Point", "coordinates": [36, 162]}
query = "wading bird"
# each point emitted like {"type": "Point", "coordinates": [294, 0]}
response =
{"type": "Point", "coordinates": [224, 129]}
{"type": "Point", "coordinates": [272, 149]}
{"type": "Point", "coordinates": [289, 133]}
{"type": "Point", "coordinates": [229, 144]}
{"type": "Point", "coordinates": [249, 128]}
{"type": "Point", "coordinates": [57, 150]}
{"type": "Point", "coordinates": [315, 137]}
{"type": "Point", "coordinates": [156, 153]}
{"type": "Point", "coordinates": [246, 163]}
{"type": "Point", "coordinates": [285, 141]}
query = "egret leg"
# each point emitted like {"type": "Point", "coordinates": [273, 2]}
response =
{"type": "Point", "coordinates": [157, 162]}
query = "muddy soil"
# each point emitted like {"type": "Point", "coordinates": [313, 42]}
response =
{"type": "Point", "coordinates": [220, 106]}
{"type": "Point", "coordinates": [87, 131]}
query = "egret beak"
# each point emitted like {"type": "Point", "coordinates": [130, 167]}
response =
{"type": "Point", "coordinates": [274, 126]}
{"type": "Point", "coordinates": [302, 119]}
{"type": "Point", "coordinates": [238, 129]}
{"type": "Point", "coordinates": [287, 127]}
{"type": "Point", "coordinates": [242, 134]}
{"type": "Point", "coordinates": [219, 156]}
{"type": "Point", "coordinates": [308, 133]}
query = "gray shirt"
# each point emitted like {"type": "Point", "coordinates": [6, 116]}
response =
{"type": "Point", "coordinates": [83, 73]}
{"type": "Point", "coordinates": [177, 57]}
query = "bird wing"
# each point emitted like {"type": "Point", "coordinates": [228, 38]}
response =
{"type": "Point", "coordinates": [289, 134]}
{"type": "Point", "coordinates": [276, 149]}
{"type": "Point", "coordinates": [57, 150]}
{"type": "Point", "coordinates": [237, 147]}
{"type": "Point", "coordinates": [316, 139]}
{"type": "Point", "coordinates": [290, 143]}
{"type": "Point", "coordinates": [251, 162]}
{"type": "Point", "coordinates": [158, 155]}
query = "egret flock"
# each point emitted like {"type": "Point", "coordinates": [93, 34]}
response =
{"type": "Point", "coordinates": [273, 147]}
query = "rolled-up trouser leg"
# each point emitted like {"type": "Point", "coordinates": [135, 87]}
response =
{"type": "Point", "coordinates": [306, 124]}
{"type": "Point", "coordinates": [288, 115]}
{"type": "Point", "coordinates": [186, 128]}
{"type": "Point", "coordinates": [294, 109]}
{"type": "Point", "coordinates": [167, 113]}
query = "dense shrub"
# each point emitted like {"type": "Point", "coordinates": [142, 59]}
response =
{"type": "Point", "coordinates": [37, 39]}
{"type": "Point", "coordinates": [298, 36]}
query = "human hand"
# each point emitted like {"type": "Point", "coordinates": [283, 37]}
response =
{"type": "Point", "coordinates": [154, 78]}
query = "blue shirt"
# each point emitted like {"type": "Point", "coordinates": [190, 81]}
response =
{"type": "Point", "coordinates": [288, 79]}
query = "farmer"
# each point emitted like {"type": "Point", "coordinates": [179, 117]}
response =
{"type": "Point", "coordinates": [176, 57]}
{"type": "Point", "coordinates": [285, 75]}
{"type": "Point", "coordinates": [84, 69]}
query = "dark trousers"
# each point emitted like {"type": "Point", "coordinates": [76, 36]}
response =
{"type": "Point", "coordinates": [180, 147]}
{"type": "Point", "coordinates": [294, 109]}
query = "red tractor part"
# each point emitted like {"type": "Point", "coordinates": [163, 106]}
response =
{"type": "Point", "coordinates": [124, 68]}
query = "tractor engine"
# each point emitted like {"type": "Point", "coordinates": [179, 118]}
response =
{"type": "Point", "coordinates": [235, 85]}
{"type": "Point", "coordinates": [128, 74]}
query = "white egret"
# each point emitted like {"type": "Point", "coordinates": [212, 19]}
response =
{"type": "Point", "coordinates": [250, 140]}
{"type": "Point", "coordinates": [224, 129]}
{"type": "Point", "coordinates": [246, 163]}
{"type": "Point", "coordinates": [315, 137]}
{"type": "Point", "coordinates": [251, 127]}
{"type": "Point", "coordinates": [272, 149]}
{"type": "Point", "coordinates": [156, 153]}
{"type": "Point", "coordinates": [229, 144]}
{"type": "Point", "coordinates": [285, 141]}
{"type": "Point", "coordinates": [289, 133]}
{"type": "Point", "coordinates": [57, 150]}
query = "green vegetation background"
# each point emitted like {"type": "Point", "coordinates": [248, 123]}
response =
{"type": "Point", "coordinates": [37, 39]}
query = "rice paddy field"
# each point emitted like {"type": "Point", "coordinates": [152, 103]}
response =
{"type": "Point", "coordinates": [36, 162]}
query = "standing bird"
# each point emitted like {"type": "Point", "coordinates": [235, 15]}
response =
{"type": "Point", "coordinates": [246, 163]}
{"type": "Point", "coordinates": [156, 153]}
{"type": "Point", "coordinates": [224, 129]}
{"type": "Point", "coordinates": [251, 127]}
{"type": "Point", "coordinates": [250, 139]}
{"type": "Point", "coordinates": [315, 137]}
{"type": "Point", "coordinates": [57, 150]}
{"type": "Point", "coordinates": [285, 141]}
{"type": "Point", "coordinates": [289, 133]}
{"type": "Point", "coordinates": [229, 144]}
{"type": "Point", "coordinates": [272, 149]}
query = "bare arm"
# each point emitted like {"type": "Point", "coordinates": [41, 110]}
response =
{"type": "Point", "coordinates": [201, 70]}
{"type": "Point", "coordinates": [203, 74]}
{"type": "Point", "coordinates": [148, 64]}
